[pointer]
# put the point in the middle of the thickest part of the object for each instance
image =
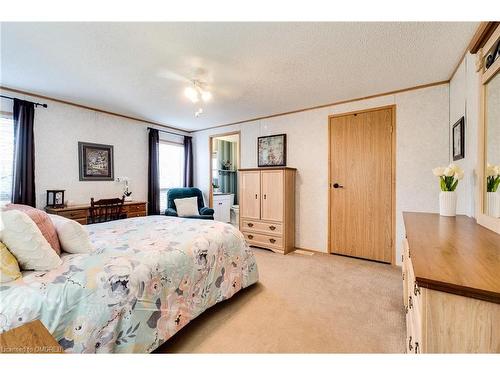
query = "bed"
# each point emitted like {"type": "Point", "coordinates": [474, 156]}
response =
{"type": "Point", "coordinates": [148, 277]}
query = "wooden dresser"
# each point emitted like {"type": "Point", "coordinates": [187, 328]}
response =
{"type": "Point", "coordinates": [81, 213]}
{"type": "Point", "coordinates": [267, 207]}
{"type": "Point", "coordinates": [451, 282]}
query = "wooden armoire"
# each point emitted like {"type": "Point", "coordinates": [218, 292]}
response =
{"type": "Point", "coordinates": [267, 207]}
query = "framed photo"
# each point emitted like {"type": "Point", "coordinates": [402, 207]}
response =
{"type": "Point", "coordinates": [458, 132]}
{"type": "Point", "coordinates": [96, 162]}
{"type": "Point", "coordinates": [271, 151]}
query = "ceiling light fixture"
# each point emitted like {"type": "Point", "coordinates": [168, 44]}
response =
{"type": "Point", "coordinates": [195, 93]}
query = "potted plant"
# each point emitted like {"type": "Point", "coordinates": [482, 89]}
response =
{"type": "Point", "coordinates": [492, 196]}
{"type": "Point", "coordinates": [215, 187]}
{"type": "Point", "coordinates": [448, 181]}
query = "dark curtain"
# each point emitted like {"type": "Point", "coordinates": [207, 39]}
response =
{"type": "Point", "coordinates": [23, 179]}
{"type": "Point", "coordinates": [188, 161]}
{"type": "Point", "coordinates": [153, 173]}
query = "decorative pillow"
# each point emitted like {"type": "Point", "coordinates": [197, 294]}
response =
{"type": "Point", "coordinates": [187, 206]}
{"type": "Point", "coordinates": [42, 221]}
{"type": "Point", "coordinates": [73, 237]}
{"type": "Point", "coordinates": [9, 269]}
{"type": "Point", "coordinates": [27, 243]}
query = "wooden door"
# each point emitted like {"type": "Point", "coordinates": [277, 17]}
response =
{"type": "Point", "coordinates": [250, 194]}
{"type": "Point", "coordinates": [361, 184]}
{"type": "Point", "coordinates": [272, 195]}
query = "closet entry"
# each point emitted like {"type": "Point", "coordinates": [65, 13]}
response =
{"type": "Point", "coordinates": [361, 184]}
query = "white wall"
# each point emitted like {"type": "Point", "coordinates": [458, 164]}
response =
{"type": "Point", "coordinates": [60, 127]}
{"type": "Point", "coordinates": [464, 101]}
{"type": "Point", "coordinates": [422, 121]}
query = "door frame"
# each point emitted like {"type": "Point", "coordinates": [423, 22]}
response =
{"type": "Point", "coordinates": [210, 139]}
{"type": "Point", "coordinates": [393, 175]}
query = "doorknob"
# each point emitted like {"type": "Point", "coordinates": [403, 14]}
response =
{"type": "Point", "coordinates": [337, 186]}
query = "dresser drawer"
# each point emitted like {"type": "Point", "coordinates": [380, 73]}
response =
{"type": "Point", "coordinates": [134, 207]}
{"type": "Point", "coordinates": [74, 214]}
{"type": "Point", "coordinates": [136, 214]}
{"type": "Point", "coordinates": [263, 240]}
{"type": "Point", "coordinates": [82, 221]}
{"type": "Point", "coordinates": [260, 226]}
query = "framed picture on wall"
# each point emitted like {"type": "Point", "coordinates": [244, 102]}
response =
{"type": "Point", "coordinates": [271, 151]}
{"type": "Point", "coordinates": [95, 161]}
{"type": "Point", "coordinates": [458, 132]}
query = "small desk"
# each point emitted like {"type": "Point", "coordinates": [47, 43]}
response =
{"type": "Point", "coordinates": [31, 337]}
{"type": "Point", "coordinates": [81, 212]}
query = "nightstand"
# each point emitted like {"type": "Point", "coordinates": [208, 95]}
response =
{"type": "Point", "coordinates": [31, 337]}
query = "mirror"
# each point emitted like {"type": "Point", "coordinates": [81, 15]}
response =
{"type": "Point", "coordinates": [492, 147]}
{"type": "Point", "coordinates": [224, 164]}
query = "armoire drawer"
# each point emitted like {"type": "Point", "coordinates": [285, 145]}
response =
{"type": "Point", "coordinates": [263, 240]}
{"type": "Point", "coordinates": [260, 226]}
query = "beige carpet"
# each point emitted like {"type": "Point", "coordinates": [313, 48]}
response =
{"type": "Point", "coordinates": [306, 304]}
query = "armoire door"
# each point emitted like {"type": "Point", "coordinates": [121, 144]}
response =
{"type": "Point", "coordinates": [250, 194]}
{"type": "Point", "coordinates": [272, 195]}
{"type": "Point", "coordinates": [361, 173]}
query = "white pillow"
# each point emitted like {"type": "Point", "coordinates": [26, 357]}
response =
{"type": "Point", "coordinates": [73, 237]}
{"type": "Point", "coordinates": [187, 206]}
{"type": "Point", "coordinates": [27, 243]}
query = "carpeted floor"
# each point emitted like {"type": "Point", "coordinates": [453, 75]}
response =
{"type": "Point", "coordinates": [306, 304]}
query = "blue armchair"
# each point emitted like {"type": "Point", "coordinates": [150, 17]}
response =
{"type": "Point", "coordinates": [178, 193]}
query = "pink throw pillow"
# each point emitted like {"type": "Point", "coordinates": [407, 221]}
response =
{"type": "Point", "coordinates": [42, 221]}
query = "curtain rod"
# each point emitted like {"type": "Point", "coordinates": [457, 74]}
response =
{"type": "Point", "coordinates": [36, 104]}
{"type": "Point", "coordinates": [166, 131]}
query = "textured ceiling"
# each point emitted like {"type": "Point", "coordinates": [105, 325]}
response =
{"type": "Point", "coordinates": [253, 69]}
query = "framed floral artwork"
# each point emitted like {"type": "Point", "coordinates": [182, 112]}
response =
{"type": "Point", "coordinates": [459, 139]}
{"type": "Point", "coordinates": [271, 151]}
{"type": "Point", "coordinates": [96, 162]}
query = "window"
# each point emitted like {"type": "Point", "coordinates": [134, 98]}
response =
{"type": "Point", "coordinates": [171, 169]}
{"type": "Point", "coordinates": [6, 158]}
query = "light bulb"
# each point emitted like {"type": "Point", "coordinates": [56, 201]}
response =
{"type": "Point", "coordinates": [191, 94]}
{"type": "Point", "coordinates": [206, 96]}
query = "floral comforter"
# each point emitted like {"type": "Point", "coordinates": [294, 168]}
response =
{"type": "Point", "coordinates": [147, 279]}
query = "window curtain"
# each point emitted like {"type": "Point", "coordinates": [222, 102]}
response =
{"type": "Point", "coordinates": [188, 161]}
{"type": "Point", "coordinates": [153, 173]}
{"type": "Point", "coordinates": [23, 179]}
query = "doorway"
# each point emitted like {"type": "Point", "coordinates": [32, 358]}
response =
{"type": "Point", "coordinates": [362, 184]}
{"type": "Point", "coordinates": [224, 156]}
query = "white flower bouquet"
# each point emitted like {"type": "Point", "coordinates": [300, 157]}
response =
{"type": "Point", "coordinates": [492, 178]}
{"type": "Point", "coordinates": [448, 176]}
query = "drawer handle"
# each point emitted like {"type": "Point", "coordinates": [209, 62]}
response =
{"type": "Point", "coordinates": [255, 196]}
{"type": "Point", "coordinates": [410, 303]}
{"type": "Point", "coordinates": [250, 236]}
{"type": "Point", "coordinates": [416, 289]}
{"type": "Point", "coordinates": [417, 349]}
{"type": "Point", "coordinates": [265, 196]}
{"type": "Point", "coordinates": [272, 240]}
{"type": "Point", "coordinates": [272, 227]}
{"type": "Point", "coordinates": [410, 346]}
{"type": "Point", "coordinates": [403, 276]}
{"type": "Point", "coordinates": [250, 225]}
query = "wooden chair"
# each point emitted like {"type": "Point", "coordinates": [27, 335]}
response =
{"type": "Point", "coordinates": [106, 210]}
